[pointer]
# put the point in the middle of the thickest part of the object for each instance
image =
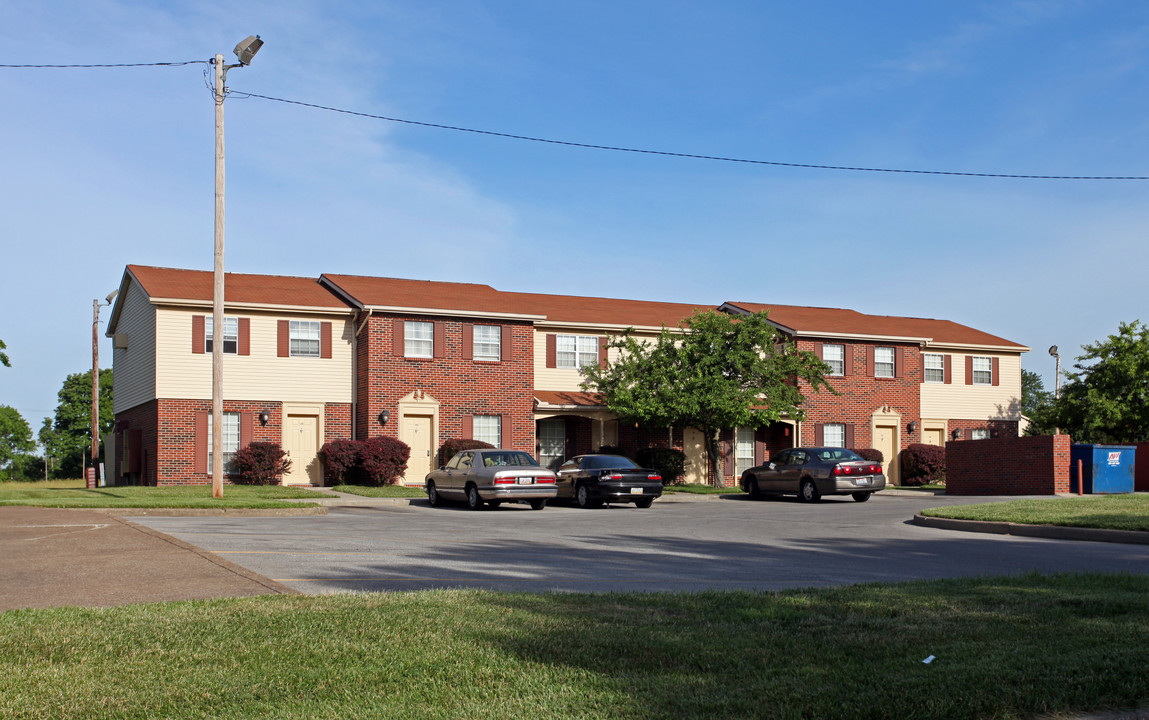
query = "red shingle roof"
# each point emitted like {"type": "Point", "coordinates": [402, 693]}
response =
{"type": "Point", "coordinates": [583, 399]}
{"type": "Point", "coordinates": [238, 288]}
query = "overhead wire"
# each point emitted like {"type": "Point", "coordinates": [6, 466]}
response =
{"type": "Point", "coordinates": [112, 65]}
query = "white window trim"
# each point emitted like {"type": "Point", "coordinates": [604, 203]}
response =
{"type": "Point", "coordinates": [987, 371]}
{"type": "Point", "coordinates": [578, 354]}
{"type": "Point", "coordinates": [413, 346]}
{"type": "Point", "coordinates": [492, 433]}
{"type": "Point", "coordinates": [837, 428]}
{"type": "Point", "coordinates": [878, 364]}
{"type": "Point", "coordinates": [297, 337]}
{"type": "Point", "coordinates": [230, 438]}
{"type": "Point", "coordinates": [838, 364]}
{"type": "Point", "coordinates": [926, 368]}
{"type": "Point", "coordinates": [980, 434]}
{"type": "Point", "coordinates": [495, 341]}
{"type": "Point", "coordinates": [230, 334]}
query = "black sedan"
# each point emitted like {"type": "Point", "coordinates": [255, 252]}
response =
{"type": "Point", "coordinates": [591, 480]}
{"type": "Point", "coordinates": [811, 473]}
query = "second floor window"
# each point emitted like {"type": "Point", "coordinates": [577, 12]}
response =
{"type": "Point", "coordinates": [419, 339]}
{"type": "Point", "coordinates": [488, 342]}
{"type": "Point", "coordinates": [934, 368]}
{"type": "Point", "coordinates": [230, 334]}
{"type": "Point", "coordinates": [884, 362]}
{"type": "Point", "coordinates": [304, 338]}
{"type": "Point", "coordinates": [575, 351]}
{"type": "Point", "coordinates": [835, 357]}
{"type": "Point", "coordinates": [982, 371]}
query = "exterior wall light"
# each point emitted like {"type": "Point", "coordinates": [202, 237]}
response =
{"type": "Point", "coordinates": [912, 427]}
{"type": "Point", "coordinates": [264, 417]}
{"type": "Point", "coordinates": [956, 434]}
{"type": "Point", "coordinates": [384, 417]}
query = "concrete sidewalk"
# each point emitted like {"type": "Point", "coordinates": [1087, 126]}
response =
{"type": "Point", "coordinates": [54, 558]}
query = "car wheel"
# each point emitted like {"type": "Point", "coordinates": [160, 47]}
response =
{"type": "Point", "coordinates": [474, 501]}
{"type": "Point", "coordinates": [538, 504]}
{"type": "Point", "coordinates": [750, 485]}
{"type": "Point", "coordinates": [862, 496]}
{"type": "Point", "coordinates": [644, 503]}
{"type": "Point", "coordinates": [808, 491]}
{"type": "Point", "coordinates": [583, 498]}
{"type": "Point", "coordinates": [433, 495]}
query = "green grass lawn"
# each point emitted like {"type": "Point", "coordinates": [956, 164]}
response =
{"type": "Point", "coordinates": [1110, 512]}
{"type": "Point", "coordinates": [384, 491]}
{"type": "Point", "coordinates": [1004, 648]}
{"type": "Point", "coordinates": [73, 494]}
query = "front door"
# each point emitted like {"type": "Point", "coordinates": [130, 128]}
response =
{"type": "Point", "coordinates": [416, 432]}
{"type": "Point", "coordinates": [694, 445]}
{"type": "Point", "coordinates": [552, 436]}
{"type": "Point", "coordinates": [932, 436]}
{"type": "Point", "coordinates": [885, 440]}
{"type": "Point", "coordinates": [301, 441]}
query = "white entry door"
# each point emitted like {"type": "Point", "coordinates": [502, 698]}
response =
{"type": "Point", "coordinates": [301, 441]}
{"type": "Point", "coordinates": [416, 432]}
{"type": "Point", "coordinates": [694, 445]}
{"type": "Point", "coordinates": [885, 440]}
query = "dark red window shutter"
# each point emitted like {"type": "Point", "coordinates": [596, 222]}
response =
{"type": "Point", "coordinates": [818, 351]}
{"type": "Point", "coordinates": [246, 428]}
{"type": "Point", "coordinates": [870, 360]}
{"type": "Point", "coordinates": [283, 338]}
{"type": "Point", "coordinates": [552, 350]}
{"type": "Point", "coordinates": [847, 360]}
{"type": "Point", "coordinates": [398, 337]}
{"type": "Point", "coordinates": [849, 435]}
{"type": "Point", "coordinates": [505, 434]}
{"type": "Point", "coordinates": [728, 456]}
{"type": "Point", "coordinates": [200, 463]}
{"type": "Point", "coordinates": [899, 362]}
{"type": "Point", "coordinates": [969, 369]}
{"type": "Point", "coordinates": [947, 368]}
{"type": "Point", "coordinates": [994, 371]}
{"type": "Point", "coordinates": [468, 341]}
{"type": "Point", "coordinates": [198, 344]}
{"type": "Point", "coordinates": [602, 352]}
{"type": "Point", "coordinates": [468, 427]}
{"type": "Point", "coordinates": [505, 347]}
{"type": "Point", "coordinates": [819, 435]}
{"type": "Point", "coordinates": [325, 339]}
{"type": "Point", "coordinates": [440, 340]}
{"type": "Point", "coordinates": [759, 446]}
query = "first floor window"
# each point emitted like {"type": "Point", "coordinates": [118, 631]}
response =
{"type": "Point", "coordinates": [935, 368]}
{"type": "Point", "coordinates": [488, 342]}
{"type": "Point", "coordinates": [552, 442]}
{"type": "Point", "coordinates": [230, 334]}
{"type": "Point", "coordinates": [884, 362]}
{"type": "Point", "coordinates": [575, 351]}
{"type": "Point", "coordinates": [979, 434]}
{"type": "Point", "coordinates": [743, 450]}
{"type": "Point", "coordinates": [230, 438]}
{"type": "Point", "coordinates": [982, 371]}
{"type": "Point", "coordinates": [834, 435]}
{"type": "Point", "coordinates": [489, 429]}
{"type": "Point", "coordinates": [835, 357]}
{"type": "Point", "coordinates": [419, 339]}
{"type": "Point", "coordinates": [304, 338]}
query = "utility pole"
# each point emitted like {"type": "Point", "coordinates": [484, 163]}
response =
{"type": "Point", "coordinates": [94, 480]}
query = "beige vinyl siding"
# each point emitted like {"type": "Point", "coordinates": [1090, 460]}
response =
{"type": "Point", "coordinates": [260, 375]}
{"type": "Point", "coordinates": [975, 402]}
{"type": "Point", "coordinates": [569, 379]}
{"type": "Point", "coordinates": [134, 381]}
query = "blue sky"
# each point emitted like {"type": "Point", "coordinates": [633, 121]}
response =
{"type": "Point", "coordinates": [102, 168]}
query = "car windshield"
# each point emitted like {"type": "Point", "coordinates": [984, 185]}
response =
{"type": "Point", "coordinates": [508, 459]}
{"type": "Point", "coordinates": [612, 462]}
{"type": "Point", "coordinates": [836, 455]}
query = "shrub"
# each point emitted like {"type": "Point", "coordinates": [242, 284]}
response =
{"type": "Point", "coordinates": [448, 449]}
{"type": "Point", "coordinates": [670, 463]}
{"type": "Point", "coordinates": [383, 460]}
{"type": "Point", "coordinates": [260, 463]}
{"type": "Point", "coordinates": [871, 454]}
{"type": "Point", "coordinates": [339, 458]}
{"type": "Point", "coordinates": [922, 464]}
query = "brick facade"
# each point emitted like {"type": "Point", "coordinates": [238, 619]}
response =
{"type": "Point", "coordinates": [1036, 465]}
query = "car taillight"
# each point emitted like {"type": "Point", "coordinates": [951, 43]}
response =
{"type": "Point", "coordinates": [875, 470]}
{"type": "Point", "coordinates": [504, 479]}
{"type": "Point", "coordinates": [654, 476]}
{"type": "Point", "coordinates": [842, 470]}
{"type": "Point", "coordinates": [616, 476]}
{"type": "Point", "coordinates": [545, 480]}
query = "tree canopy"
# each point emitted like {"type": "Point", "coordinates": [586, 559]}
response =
{"type": "Point", "coordinates": [1106, 398]}
{"type": "Point", "coordinates": [4, 355]}
{"type": "Point", "coordinates": [1036, 404]}
{"type": "Point", "coordinates": [718, 372]}
{"type": "Point", "coordinates": [15, 439]}
{"type": "Point", "coordinates": [73, 421]}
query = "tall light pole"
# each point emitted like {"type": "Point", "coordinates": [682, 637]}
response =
{"type": "Point", "coordinates": [244, 51]}
{"type": "Point", "coordinates": [94, 477]}
{"type": "Point", "coordinates": [1056, 380]}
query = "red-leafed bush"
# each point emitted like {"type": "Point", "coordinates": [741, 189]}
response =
{"type": "Point", "coordinates": [339, 458]}
{"type": "Point", "coordinates": [260, 463]}
{"type": "Point", "coordinates": [383, 460]}
{"type": "Point", "coordinates": [871, 454]}
{"type": "Point", "coordinates": [923, 464]}
{"type": "Point", "coordinates": [448, 449]}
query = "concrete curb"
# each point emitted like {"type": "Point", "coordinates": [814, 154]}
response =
{"type": "Point", "coordinates": [1049, 532]}
{"type": "Point", "coordinates": [196, 512]}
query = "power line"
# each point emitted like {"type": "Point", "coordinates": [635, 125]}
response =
{"type": "Point", "coordinates": [116, 65]}
{"type": "Point", "coordinates": [693, 156]}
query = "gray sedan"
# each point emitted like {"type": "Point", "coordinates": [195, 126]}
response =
{"type": "Point", "coordinates": [811, 473]}
{"type": "Point", "coordinates": [493, 477]}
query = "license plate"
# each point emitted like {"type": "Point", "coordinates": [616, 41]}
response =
{"type": "Point", "coordinates": [863, 481]}
{"type": "Point", "coordinates": [526, 481]}
{"type": "Point", "coordinates": [636, 491]}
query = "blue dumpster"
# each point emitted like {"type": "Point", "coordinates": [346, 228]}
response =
{"type": "Point", "coordinates": [1105, 468]}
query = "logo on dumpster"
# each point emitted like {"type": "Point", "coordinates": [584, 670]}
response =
{"type": "Point", "coordinates": [1114, 459]}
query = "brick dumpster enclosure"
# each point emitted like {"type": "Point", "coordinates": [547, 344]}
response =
{"type": "Point", "coordinates": [1036, 465]}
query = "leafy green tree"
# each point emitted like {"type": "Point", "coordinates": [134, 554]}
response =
{"type": "Point", "coordinates": [722, 372]}
{"type": "Point", "coordinates": [15, 439]}
{"type": "Point", "coordinates": [4, 355]}
{"type": "Point", "coordinates": [1036, 404]}
{"type": "Point", "coordinates": [74, 420]}
{"type": "Point", "coordinates": [50, 442]}
{"type": "Point", "coordinates": [1106, 399]}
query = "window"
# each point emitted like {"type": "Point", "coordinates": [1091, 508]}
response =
{"type": "Point", "coordinates": [835, 357]}
{"type": "Point", "coordinates": [488, 342]}
{"type": "Point", "coordinates": [934, 368]}
{"type": "Point", "coordinates": [575, 351]}
{"type": "Point", "coordinates": [979, 434]}
{"type": "Point", "coordinates": [743, 450]}
{"type": "Point", "coordinates": [304, 336]}
{"type": "Point", "coordinates": [488, 428]}
{"type": "Point", "coordinates": [884, 362]}
{"type": "Point", "coordinates": [834, 435]}
{"type": "Point", "coordinates": [982, 371]}
{"type": "Point", "coordinates": [230, 439]}
{"type": "Point", "coordinates": [418, 339]}
{"type": "Point", "coordinates": [230, 334]}
{"type": "Point", "coordinates": [552, 434]}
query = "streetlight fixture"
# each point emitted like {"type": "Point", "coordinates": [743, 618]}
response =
{"type": "Point", "coordinates": [244, 52]}
{"type": "Point", "coordinates": [1056, 380]}
{"type": "Point", "coordinates": [94, 476]}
